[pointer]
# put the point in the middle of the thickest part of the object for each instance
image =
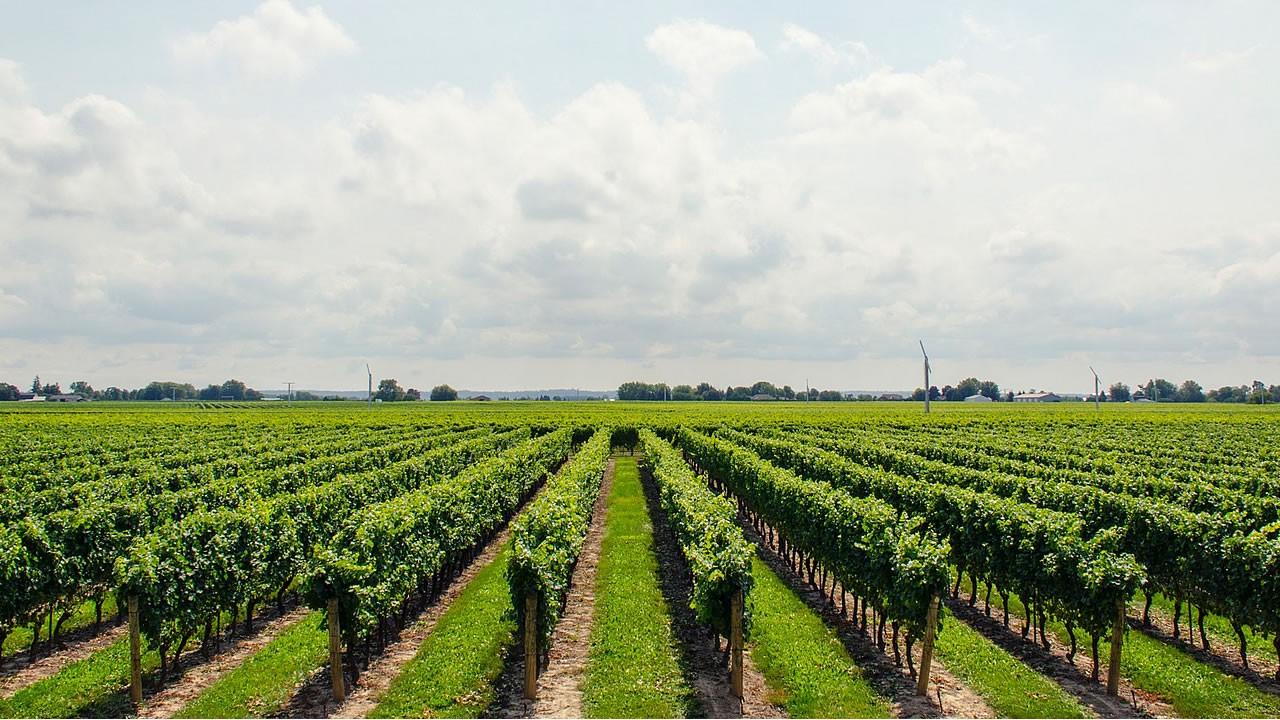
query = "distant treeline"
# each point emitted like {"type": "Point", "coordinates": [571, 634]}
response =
{"type": "Point", "coordinates": [1156, 390]}
{"type": "Point", "coordinates": [708, 392]}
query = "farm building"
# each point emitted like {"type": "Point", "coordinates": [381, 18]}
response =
{"type": "Point", "coordinates": [1037, 397]}
{"type": "Point", "coordinates": [977, 399]}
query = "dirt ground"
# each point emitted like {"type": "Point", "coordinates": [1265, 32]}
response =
{"type": "Point", "coordinates": [558, 693]}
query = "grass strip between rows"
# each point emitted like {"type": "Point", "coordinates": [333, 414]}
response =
{"type": "Point", "coordinates": [97, 686]}
{"type": "Point", "coordinates": [267, 679]}
{"type": "Point", "coordinates": [807, 668]}
{"type": "Point", "coordinates": [19, 639]}
{"type": "Point", "coordinates": [454, 671]}
{"type": "Point", "coordinates": [1006, 684]}
{"type": "Point", "coordinates": [1193, 688]}
{"type": "Point", "coordinates": [634, 666]}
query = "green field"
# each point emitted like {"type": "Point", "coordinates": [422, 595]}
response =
{"type": "Point", "coordinates": [201, 511]}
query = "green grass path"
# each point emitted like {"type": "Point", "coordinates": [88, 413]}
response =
{"type": "Point", "coordinates": [1193, 688]}
{"type": "Point", "coordinates": [97, 686]}
{"type": "Point", "coordinates": [268, 678]}
{"type": "Point", "coordinates": [454, 671]}
{"type": "Point", "coordinates": [1010, 687]}
{"type": "Point", "coordinates": [807, 668]}
{"type": "Point", "coordinates": [634, 666]}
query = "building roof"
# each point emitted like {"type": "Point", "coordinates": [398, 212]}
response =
{"type": "Point", "coordinates": [1037, 396]}
{"type": "Point", "coordinates": [977, 398]}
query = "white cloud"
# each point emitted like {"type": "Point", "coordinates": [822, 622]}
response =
{"type": "Point", "coordinates": [458, 236]}
{"type": "Point", "coordinates": [1134, 99]}
{"type": "Point", "coordinates": [702, 52]}
{"type": "Point", "coordinates": [827, 56]}
{"type": "Point", "coordinates": [1001, 37]}
{"type": "Point", "coordinates": [276, 41]}
{"type": "Point", "coordinates": [12, 86]}
{"type": "Point", "coordinates": [1218, 61]}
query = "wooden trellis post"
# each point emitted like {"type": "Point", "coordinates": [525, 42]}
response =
{"type": "Point", "coordinates": [1117, 640]}
{"type": "Point", "coordinates": [531, 646]}
{"type": "Point", "coordinates": [135, 653]}
{"type": "Point", "coordinates": [926, 652]}
{"type": "Point", "coordinates": [335, 653]}
{"type": "Point", "coordinates": [735, 642]}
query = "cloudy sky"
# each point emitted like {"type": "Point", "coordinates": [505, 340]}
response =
{"type": "Point", "coordinates": [575, 194]}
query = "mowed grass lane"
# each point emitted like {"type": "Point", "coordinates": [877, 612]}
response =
{"type": "Point", "coordinates": [807, 668]}
{"type": "Point", "coordinates": [634, 664]}
{"type": "Point", "coordinates": [269, 677]}
{"type": "Point", "coordinates": [454, 672]}
{"type": "Point", "coordinates": [1010, 687]}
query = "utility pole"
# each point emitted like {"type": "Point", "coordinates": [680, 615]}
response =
{"type": "Point", "coordinates": [1097, 385]}
{"type": "Point", "coordinates": [926, 376]}
{"type": "Point", "coordinates": [289, 383]}
{"type": "Point", "coordinates": [366, 367]}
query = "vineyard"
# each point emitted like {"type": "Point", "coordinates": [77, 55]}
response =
{"type": "Point", "coordinates": [639, 559]}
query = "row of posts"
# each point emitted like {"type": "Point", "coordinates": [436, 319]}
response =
{"type": "Point", "coordinates": [531, 649]}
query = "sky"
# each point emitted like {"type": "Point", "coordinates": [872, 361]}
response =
{"type": "Point", "coordinates": [578, 194]}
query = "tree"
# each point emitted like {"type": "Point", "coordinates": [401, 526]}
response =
{"type": "Point", "coordinates": [35, 385]}
{"type": "Point", "coordinates": [8, 392]}
{"type": "Point", "coordinates": [443, 393]}
{"type": "Point", "coordinates": [234, 390]}
{"type": "Point", "coordinates": [918, 395]}
{"type": "Point", "coordinates": [412, 394]}
{"type": "Point", "coordinates": [1228, 394]}
{"type": "Point", "coordinates": [765, 388]}
{"type": "Point", "coordinates": [830, 396]}
{"type": "Point", "coordinates": [968, 387]}
{"type": "Point", "coordinates": [1160, 390]}
{"type": "Point", "coordinates": [934, 394]}
{"type": "Point", "coordinates": [156, 390]}
{"type": "Point", "coordinates": [114, 393]}
{"type": "Point", "coordinates": [80, 387]}
{"type": "Point", "coordinates": [988, 388]}
{"type": "Point", "coordinates": [1190, 392]}
{"type": "Point", "coordinates": [683, 392]}
{"type": "Point", "coordinates": [788, 393]}
{"type": "Point", "coordinates": [1119, 392]}
{"type": "Point", "coordinates": [389, 391]}
{"type": "Point", "coordinates": [52, 389]}
{"type": "Point", "coordinates": [707, 391]}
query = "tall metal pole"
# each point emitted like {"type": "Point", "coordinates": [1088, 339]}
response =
{"type": "Point", "coordinates": [926, 376]}
{"type": "Point", "coordinates": [290, 385]}
{"type": "Point", "coordinates": [366, 367]}
{"type": "Point", "coordinates": [1097, 387]}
